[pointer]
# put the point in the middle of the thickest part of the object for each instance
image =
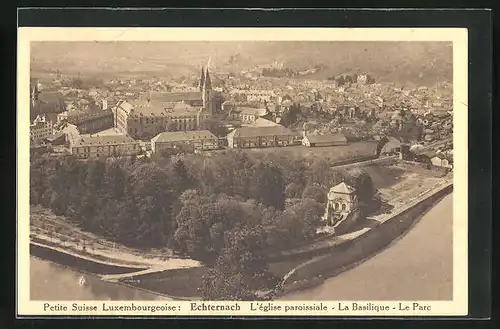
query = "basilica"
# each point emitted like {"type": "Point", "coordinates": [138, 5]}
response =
{"type": "Point", "coordinates": [173, 111]}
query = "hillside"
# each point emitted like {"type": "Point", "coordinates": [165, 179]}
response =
{"type": "Point", "coordinates": [401, 62]}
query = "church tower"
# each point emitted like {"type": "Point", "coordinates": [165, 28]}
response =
{"type": "Point", "coordinates": [202, 79]}
{"type": "Point", "coordinates": [207, 94]}
{"type": "Point", "coordinates": [34, 93]}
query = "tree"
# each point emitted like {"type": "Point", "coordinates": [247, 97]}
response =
{"type": "Point", "coordinates": [315, 192]}
{"type": "Point", "coordinates": [182, 179]}
{"type": "Point", "coordinates": [291, 116]}
{"type": "Point", "coordinates": [293, 190]}
{"type": "Point", "coordinates": [267, 186]}
{"type": "Point", "coordinates": [240, 267]}
{"type": "Point", "coordinates": [365, 189]}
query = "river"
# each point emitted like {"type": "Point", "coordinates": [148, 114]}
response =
{"type": "Point", "coordinates": [49, 281]}
{"type": "Point", "coordinates": [417, 267]}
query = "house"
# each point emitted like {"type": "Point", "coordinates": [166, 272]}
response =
{"type": "Point", "coordinates": [256, 137]}
{"type": "Point", "coordinates": [41, 128]}
{"type": "Point", "coordinates": [186, 140]}
{"type": "Point", "coordinates": [56, 139]}
{"type": "Point", "coordinates": [324, 140]}
{"type": "Point", "coordinates": [250, 115]}
{"type": "Point", "coordinates": [103, 146]}
{"type": "Point", "coordinates": [341, 201]}
{"type": "Point", "coordinates": [425, 157]}
{"type": "Point", "coordinates": [442, 160]}
{"type": "Point", "coordinates": [392, 146]}
{"type": "Point", "coordinates": [90, 121]}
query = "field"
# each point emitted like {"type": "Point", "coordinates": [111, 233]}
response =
{"type": "Point", "coordinates": [331, 153]}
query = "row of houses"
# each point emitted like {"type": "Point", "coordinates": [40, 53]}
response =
{"type": "Point", "coordinates": [84, 147]}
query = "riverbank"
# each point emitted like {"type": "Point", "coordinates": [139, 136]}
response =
{"type": "Point", "coordinates": [352, 253]}
{"type": "Point", "coordinates": [59, 232]}
{"type": "Point", "coordinates": [51, 281]}
{"type": "Point", "coordinates": [406, 269]}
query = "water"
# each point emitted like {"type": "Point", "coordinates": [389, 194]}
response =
{"type": "Point", "coordinates": [417, 267]}
{"type": "Point", "coordinates": [49, 281]}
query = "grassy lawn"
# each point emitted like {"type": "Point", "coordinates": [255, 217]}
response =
{"type": "Point", "coordinates": [331, 153]}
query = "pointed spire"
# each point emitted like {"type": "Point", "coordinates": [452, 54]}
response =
{"type": "Point", "coordinates": [208, 82]}
{"type": "Point", "coordinates": [202, 79]}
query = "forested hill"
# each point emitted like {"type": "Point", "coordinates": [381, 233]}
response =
{"type": "Point", "coordinates": [400, 62]}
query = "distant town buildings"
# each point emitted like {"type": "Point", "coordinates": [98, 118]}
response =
{"type": "Point", "coordinates": [251, 95]}
{"type": "Point", "coordinates": [48, 103]}
{"type": "Point", "coordinates": [249, 115]}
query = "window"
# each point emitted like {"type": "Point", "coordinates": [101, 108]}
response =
{"type": "Point", "coordinates": [343, 206]}
{"type": "Point", "coordinates": [336, 206]}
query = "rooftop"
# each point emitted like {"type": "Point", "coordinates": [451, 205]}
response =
{"type": "Point", "coordinates": [342, 188]}
{"type": "Point", "coordinates": [260, 131]}
{"type": "Point", "coordinates": [175, 96]}
{"type": "Point", "coordinates": [252, 111]}
{"type": "Point", "coordinates": [103, 140]}
{"type": "Point", "coordinates": [182, 136]}
{"type": "Point", "coordinates": [327, 138]}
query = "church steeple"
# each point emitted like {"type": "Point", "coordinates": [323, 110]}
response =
{"type": "Point", "coordinates": [202, 79]}
{"type": "Point", "coordinates": [208, 82]}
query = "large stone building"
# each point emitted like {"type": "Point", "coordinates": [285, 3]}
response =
{"type": "Point", "coordinates": [185, 140]}
{"type": "Point", "coordinates": [41, 128]}
{"type": "Point", "coordinates": [103, 146]}
{"type": "Point", "coordinates": [159, 112]}
{"type": "Point", "coordinates": [256, 137]}
{"type": "Point", "coordinates": [145, 119]}
{"type": "Point", "coordinates": [89, 122]}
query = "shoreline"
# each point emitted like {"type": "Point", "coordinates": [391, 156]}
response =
{"type": "Point", "coordinates": [94, 275]}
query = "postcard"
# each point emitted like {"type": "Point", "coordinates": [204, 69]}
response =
{"type": "Point", "coordinates": [242, 172]}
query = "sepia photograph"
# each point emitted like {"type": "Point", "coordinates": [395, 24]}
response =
{"type": "Point", "coordinates": [243, 170]}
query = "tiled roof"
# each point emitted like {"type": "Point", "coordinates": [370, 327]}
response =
{"type": "Point", "coordinates": [252, 111]}
{"type": "Point", "coordinates": [175, 96]}
{"type": "Point", "coordinates": [104, 140]}
{"type": "Point", "coordinates": [326, 138]}
{"type": "Point", "coordinates": [178, 136]}
{"type": "Point", "coordinates": [260, 131]}
{"type": "Point", "coordinates": [342, 188]}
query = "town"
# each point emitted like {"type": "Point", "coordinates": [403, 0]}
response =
{"type": "Point", "coordinates": [229, 185]}
{"type": "Point", "coordinates": [144, 117]}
